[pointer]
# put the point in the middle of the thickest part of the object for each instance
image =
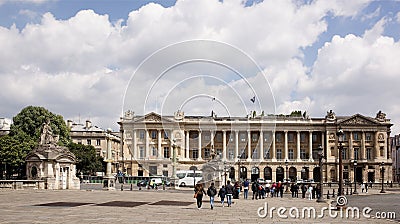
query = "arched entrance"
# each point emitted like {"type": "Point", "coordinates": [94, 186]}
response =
{"type": "Point", "coordinates": [267, 173]}
{"type": "Point", "coordinates": [293, 174]}
{"type": "Point", "coordinates": [255, 174]}
{"type": "Point", "coordinates": [304, 173]}
{"type": "Point", "coordinates": [280, 174]}
{"type": "Point", "coordinates": [232, 173]}
{"type": "Point", "coordinates": [316, 174]}
{"type": "Point", "coordinates": [243, 173]}
{"type": "Point", "coordinates": [359, 174]}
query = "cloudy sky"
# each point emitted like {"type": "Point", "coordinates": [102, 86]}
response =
{"type": "Point", "coordinates": [95, 59]}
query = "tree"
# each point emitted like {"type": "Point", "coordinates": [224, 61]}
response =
{"type": "Point", "coordinates": [29, 123]}
{"type": "Point", "coordinates": [88, 162]}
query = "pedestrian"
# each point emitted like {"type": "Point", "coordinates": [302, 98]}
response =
{"type": "Point", "coordinates": [221, 194]}
{"type": "Point", "coordinates": [246, 189]}
{"type": "Point", "coordinates": [296, 191]}
{"type": "Point", "coordinates": [303, 190]}
{"type": "Point", "coordinates": [211, 192]}
{"type": "Point", "coordinates": [198, 194]}
{"type": "Point", "coordinates": [267, 189]}
{"type": "Point", "coordinates": [362, 187]}
{"type": "Point", "coordinates": [254, 189]}
{"type": "Point", "coordinates": [280, 189]}
{"type": "Point", "coordinates": [292, 189]}
{"type": "Point", "coordinates": [229, 193]}
{"type": "Point", "coordinates": [309, 192]}
{"type": "Point", "coordinates": [366, 188]}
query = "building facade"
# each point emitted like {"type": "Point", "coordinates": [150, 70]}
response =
{"type": "Point", "coordinates": [87, 134]}
{"type": "Point", "coordinates": [271, 147]}
{"type": "Point", "coordinates": [395, 144]}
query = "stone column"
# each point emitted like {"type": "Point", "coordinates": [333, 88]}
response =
{"type": "Point", "coordinates": [237, 143]}
{"type": "Point", "coordinates": [298, 146]}
{"type": "Point", "coordinates": [273, 153]}
{"type": "Point", "coordinates": [261, 140]}
{"type": "Point", "coordinates": [328, 151]}
{"type": "Point", "coordinates": [249, 150]}
{"type": "Point", "coordinates": [187, 144]}
{"type": "Point", "coordinates": [376, 144]}
{"type": "Point", "coordinates": [159, 139]}
{"type": "Point", "coordinates": [310, 146]}
{"type": "Point", "coordinates": [146, 135]}
{"type": "Point", "coordinates": [286, 145]}
{"type": "Point", "coordinates": [134, 145]}
{"type": "Point", "coordinates": [351, 149]}
{"type": "Point", "coordinates": [362, 150]}
{"type": "Point", "coordinates": [212, 134]}
{"type": "Point", "coordinates": [224, 145]}
{"type": "Point", "coordinates": [199, 146]}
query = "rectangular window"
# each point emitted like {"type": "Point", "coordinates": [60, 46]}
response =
{"type": "Point", "coordinates": [98, 142]}
{"type": "Point", "coordinates": [207, 137]}
{"type": "Point", "coordinates": [231, 154]}
{"type": "Point", "coordinates": [266, 137]}
{"type": "Point", "coordinates": [153, 134]}
{"type": "Point", "coordinates": [291, 154]}
{"type": "Point", "coordinates": [381, 151]}
{"type": "Point", "coordinates": [302, 137]}
{"type": "Point", "coordinates": [89, 142]}
{"type": "Point", "coordinates": [344, 153]}
{"type": "Point", "coordinates": [356, 136]}
{"type": "Point", "coordinates": [279, 154]}
{"type": "Point", "coordinates": [356, 153]}
{"type": "Point", "coordinates": [218, 137]}
{"type": "Point", "coordinates": [369, 153]}
{"type": "Point", "coordinates": [242, 137]}
{"type": "Point", "coordinates": [166, 152]}
{"type": "Point", "coordinates": [219, 152]}
{"type": "Point", "coordinates": [207, 153]}
{"type": "Point", "coordinates": [153, 151]}
{"type": "Point", "coordinates": [303, 154]}
{"type": "Point", "coordinates": [314, 137]}
{"type": "Point", "coordinates": [290, 137]}
{"type": "Point", "coordinates": [242, 154]}
{"type": "Point", "coordinates": [141, 134]}
{"type": "Point", "coordinates": [267, 155]}
{"type": "Point", "coordinates": [141, 152]}
{"type": "Point", "coordinates": [368, 136]}
{"type": "Point", "coordinates": [254, 137]}
{"type": "Point", "coordinates": [195, 153]}
{"type": "Point", "coordinates": [344, 136]}
{"type": "Point", "coordinates": [79, 141]}
{"type": "Point", "coordinates": [254, 154]}
{"type": "Point", "coordinates": [231, 137]}
{"type": "Point", "coordinates": [166, 135]}
{"type": "Point", "coordinates": [278, 137]}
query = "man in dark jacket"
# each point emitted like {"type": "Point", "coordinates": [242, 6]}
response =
{"type": "Point", "coordinates": [254, 188]}
{"type": "Point", "coordinates": [229, 193]}
{"type": "Point", "coordinates": [211, 192]}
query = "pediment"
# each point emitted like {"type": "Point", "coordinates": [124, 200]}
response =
{"type": "Point", "coordinates": [153, 117]}
{"type": "Point", "coordinates": [358, 119]}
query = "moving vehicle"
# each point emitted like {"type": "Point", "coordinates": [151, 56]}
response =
{"type": "Point", "coordinates": [189, 177]}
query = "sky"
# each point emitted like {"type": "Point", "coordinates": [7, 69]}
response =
{"type": "Point", "coordinates": [95, 59]}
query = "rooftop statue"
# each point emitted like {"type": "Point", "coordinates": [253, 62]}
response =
{"type": "Point", "coordinates": [47, 137]}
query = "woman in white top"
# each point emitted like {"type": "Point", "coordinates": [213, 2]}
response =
{"type": "Point", "coordinates": [310, 188]}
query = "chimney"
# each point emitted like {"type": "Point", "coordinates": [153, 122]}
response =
{"type": "Point", "coordinates": [88, 124]}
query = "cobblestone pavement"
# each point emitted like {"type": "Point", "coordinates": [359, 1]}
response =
{"type": "Point", "coordinates": [148, 206]}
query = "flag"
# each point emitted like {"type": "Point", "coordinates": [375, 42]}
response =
{"type": "Point", "coordinates": [253, 100]}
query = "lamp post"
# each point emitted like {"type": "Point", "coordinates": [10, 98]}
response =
{"type": "Point", "coordinates": [355, 177]}
{"type": "Point", "coordinates": [109, 180]}
{"type": "Point", "coordinates": [287, 175]}
{"type": "Point", "coordinates": [382, 165]}
{"type": "Point", "coordinates": [174, 178]}
{"type": "Point", "coordinates": [340, 136]}
{"type": "Point", "coordinates": [239, 167]}
{"type": "Point", "coordinates": [321, 187]}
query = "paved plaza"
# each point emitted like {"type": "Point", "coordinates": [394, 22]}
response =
{"type": "Point", "coordinates": [148, 206]}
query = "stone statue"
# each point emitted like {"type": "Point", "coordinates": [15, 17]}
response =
{"type": "Point", "coordinates": [330, 115]}
{"type": "Point", "coordinates": [47, 136]}
{"type": "Point", "coordinates": [381, 116]}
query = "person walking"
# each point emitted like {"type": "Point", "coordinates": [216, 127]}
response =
{"type": "Point", "coordinates": [229, 193]}
{"type": "Point", "coordinates": [221, 194]}
{"type": "Point", "coordinates": [254, 189]}
{"type": "Point", "coordinates": [309, 192]}
{"type": "Point", "coordinates": [246, 184]}
{"type": "Point", "coordinates": [211, 192]}
{"type": "Point", "coordinates": [362, 187]}
{"type": "Point", "coordinates": [199, 190]}
{"type": "Point", "coordinates": [303, 191]}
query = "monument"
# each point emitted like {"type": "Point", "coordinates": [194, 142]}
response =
{"type": "Point", "coordinates": [213, 170]}
{"type": "Point", "coordinates": [52, 163]}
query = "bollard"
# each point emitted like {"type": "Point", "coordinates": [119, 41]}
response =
{"type": "Point", "coordinates": [333, 193]}
{"type": "Point", "coordinates": [131, 187]}
{"type": "Point", "coordinates": [122, 187]}
{"type": "Point", "coordinates": [327, 195]}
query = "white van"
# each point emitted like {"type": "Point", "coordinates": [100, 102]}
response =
{"type": "Point", "coordinates": [188, 177]}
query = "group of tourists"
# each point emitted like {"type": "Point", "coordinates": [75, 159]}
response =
{"type": "Point", "coordinates": [259, 191]}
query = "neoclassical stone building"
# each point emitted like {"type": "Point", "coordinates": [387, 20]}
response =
{"type": "Point", "coordinates": [270, 147]}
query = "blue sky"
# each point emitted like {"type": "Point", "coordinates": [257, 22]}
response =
{"type": "Point", "coordinates": [316, 55]}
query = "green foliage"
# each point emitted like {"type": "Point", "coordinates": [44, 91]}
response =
{"type": "Point", "coordinates": [296, 113]}
{"type": "Point", "coordinates": [29, 123]}
{"type": "Point", "coordinates": [88, 162]}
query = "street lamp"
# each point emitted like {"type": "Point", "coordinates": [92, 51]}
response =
{"type": "Point", "coordinates": [382, 165]}
{"type": "Point", "coordinates": [109, 180]}
{"type": "Point", "coordinates": [355, 175]}
{"type": "Point", "coordinates": [287, 175]}
{"type": "Point", "coordinates": [321, 187]}
{"type": "Point", "coordinates": [174, 178]}
{"type": "Point", "coordinates": [239, 157]}
{"type": "Point", "coordinates": [340, 136]}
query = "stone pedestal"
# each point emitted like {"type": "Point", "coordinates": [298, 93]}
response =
{"type": "Point", "coordinates": [109, 183]}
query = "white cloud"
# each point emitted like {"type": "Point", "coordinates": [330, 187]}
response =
{"type": "Point", "coordinates": [82, 65]}
{"type": "Point", "coordinates": [28, 13]}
